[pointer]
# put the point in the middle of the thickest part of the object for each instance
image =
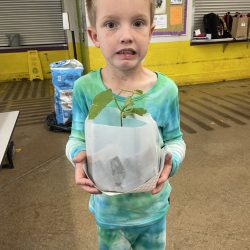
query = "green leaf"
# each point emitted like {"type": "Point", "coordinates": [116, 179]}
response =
{"type": "Point", "coordinates": [127, 113]}
{"type": "Point", "coordinates": [139, 111]}
{"type": "Point", "coordinates": [99, 103]}
{"type": "Point", "coordinates": [138, 92]}
{"type": "Point", "coordinates": [103, 98]}
{"type": "Point", "coordinates": [94, 111]}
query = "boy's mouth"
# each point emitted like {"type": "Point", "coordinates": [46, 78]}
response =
{"type": "Point", "coordinates": [126, 52]}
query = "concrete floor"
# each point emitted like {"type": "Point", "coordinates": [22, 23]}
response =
{"type": "Point", "coordinates": [41, 208]}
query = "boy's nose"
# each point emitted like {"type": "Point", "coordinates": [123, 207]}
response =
{"type": "Point", "coordinates": [126, 36]}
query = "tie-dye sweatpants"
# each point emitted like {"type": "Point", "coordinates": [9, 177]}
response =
{"type": "Point", "coordinates": [152, 237]}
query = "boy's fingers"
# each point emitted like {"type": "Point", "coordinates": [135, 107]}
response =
{"type": "Point", "coordinates": [91, 190]}
{"type": "Point", "coordinates": [80, 157]}
{"type": "Point", "coordinates": [87, 185]}
{"type": "Point", "coordinates": [80, 176]}
{"type": "Point", "coordinates": [157, 189]}
{"type": "Point", "coordinates": [168, 159]}
{"type": "Point", "coordinates": [166, 170]}
{"type": "Point", "coordinates": [164, 174]}
{"type": "Point", "coordinates": [84, 181]}
{"type": "Point", "coordinates": [79, 173]}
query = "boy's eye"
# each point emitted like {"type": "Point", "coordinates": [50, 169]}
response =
{"type": "Point", "coordinates": [139, 23]}
{"type": "Point", "coordinates": [110, 25]}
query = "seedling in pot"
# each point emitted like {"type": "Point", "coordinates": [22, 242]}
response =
{"type": "Point", "coordinates": [104, 98]}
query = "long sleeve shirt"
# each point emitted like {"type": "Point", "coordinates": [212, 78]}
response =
{"type": "Point", "coordinates": [161, 101]}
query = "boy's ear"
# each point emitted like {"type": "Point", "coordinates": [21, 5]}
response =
{"type": "Point", "coordinates": [93, 36]}
{"type": "Point", "coordinates": [152, 29]}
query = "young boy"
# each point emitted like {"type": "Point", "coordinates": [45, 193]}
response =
{"type": "Point", "coordinates": [122, 29]}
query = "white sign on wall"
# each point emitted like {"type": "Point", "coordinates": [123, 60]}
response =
{"type": "Point", "coordinates": [161, 7]}
{"type": "Point", "coordinates": [65, 16]}
{"type": "Point", "coordinates": [175, 1]}
{"type": "Point", "coordinates": [160, 21]}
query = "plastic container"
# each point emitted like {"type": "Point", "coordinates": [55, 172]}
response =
{"type": "Point", "coordinates": [123, 159]}
{"type": "Point", "coordinates": [64, 74]}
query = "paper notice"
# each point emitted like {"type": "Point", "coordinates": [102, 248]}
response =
{"type": "Point", "coordinates": [160, 21]}
{"type": "Point", "coordinates": [176, 2]}
{"type": "Point", "coordinates": [176, 15]}
{"type": "Point", "coordinates": [160, 7]}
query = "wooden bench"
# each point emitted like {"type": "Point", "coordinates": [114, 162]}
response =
{"type": "Point", "coordinates": [7, 125]}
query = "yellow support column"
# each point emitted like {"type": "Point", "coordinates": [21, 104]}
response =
{"type": "Point", "coordinates": [35, 68]}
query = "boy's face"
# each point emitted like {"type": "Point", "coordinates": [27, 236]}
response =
{"type": "Point", "coordinates": [122, 32]}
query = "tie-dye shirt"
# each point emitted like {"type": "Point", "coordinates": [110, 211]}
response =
{"type": "Point", "coordinates": [161, 101]}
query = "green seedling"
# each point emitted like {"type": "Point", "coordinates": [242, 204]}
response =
{"type": "Point", "coordinates": [104, 98]}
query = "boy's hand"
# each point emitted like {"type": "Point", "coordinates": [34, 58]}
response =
{"type": "Point", "coordinates": [164, 174]}
{"type": "Point", "coordinates": [80, 177]}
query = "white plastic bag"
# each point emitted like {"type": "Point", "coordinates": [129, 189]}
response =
{"type": "Point", "coordinates": [123, 159]}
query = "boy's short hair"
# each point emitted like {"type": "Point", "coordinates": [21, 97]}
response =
{"type": "Point", "coordinates": [92, 11]}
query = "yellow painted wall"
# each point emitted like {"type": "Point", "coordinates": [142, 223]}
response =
{"type": "Point", "coordinates": [14, 66]}
{"type": "Point", "coordinates": [192, 64]}
{"type": "Point", "coordinates": [184, 63]}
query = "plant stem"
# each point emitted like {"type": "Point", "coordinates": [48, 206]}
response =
{"type": "Point", "coordinates": [128, 105]}
{"type": "Point", "coordinates": [121, 114]}
{"type": "Point", "coordinates": [117, 104]}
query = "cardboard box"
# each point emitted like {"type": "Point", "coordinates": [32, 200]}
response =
{"type": "Point", "coordinates": [240, 27]}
